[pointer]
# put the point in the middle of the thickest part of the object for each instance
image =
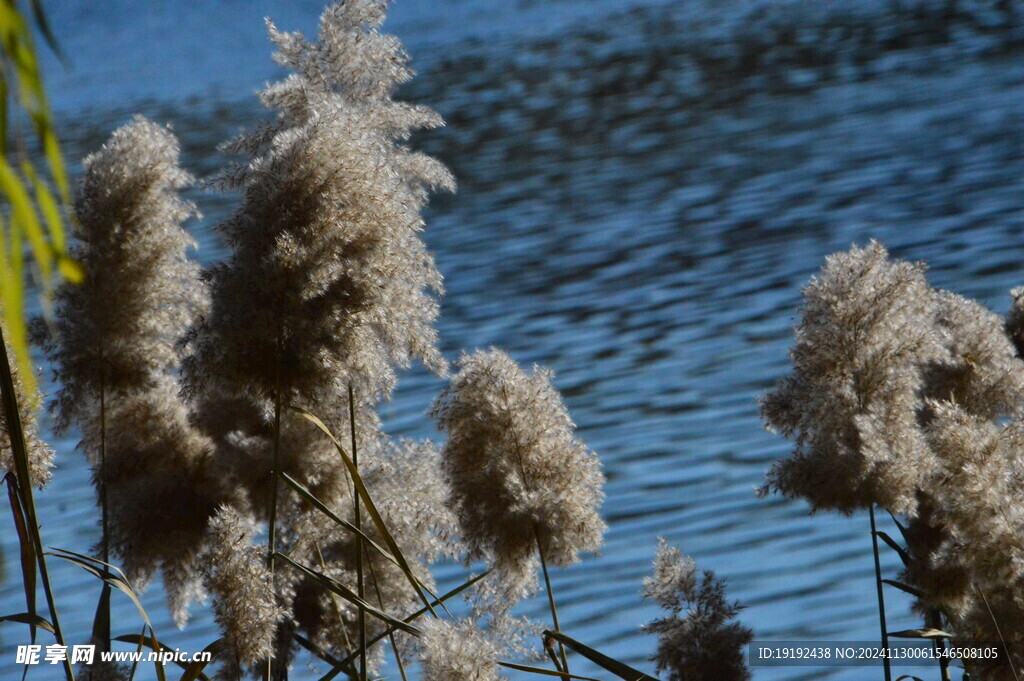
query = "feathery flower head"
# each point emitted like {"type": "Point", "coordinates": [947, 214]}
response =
{"type": "Point", "coordinates": [328, 284]}
{"type": "Point", "coordinates": [696, 640]}
{"type": "Point", "coordinates": [244, 601]}
{"type": "Point", "coordinates": [40, 454]}
{"type": "Point", "coordinates": [983, 373]}
{"type": "Point", "coordinates": [519, 476]}
{"type": "Point", "coordinates": [119, 327]}
{"type": "Point", "coordinates": [867, 329]}
{"type": "Point", "coordinates": [155, 459]}
{"type": "Point", "coordinates": [457, 651]}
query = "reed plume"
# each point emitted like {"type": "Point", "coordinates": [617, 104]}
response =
{"type": "Point", "coordinates": [520, 478]}
{"type": "Point", "coordinates": [697, 641]}
{"type": "Point", "coordinates": [114, 350]}
{"type": "Point", "coordinates": [117, 330]}
{"type": "Point", "coordinates": [244, 602]}
{"type": "Point", "coordinates": [40, 454]}
{"type": "Point", "coordinates": [457, 651]}
{"type": "Point", "coordinates": [328, 283]}
{"type": "Point", "coordinates": [867, 331]}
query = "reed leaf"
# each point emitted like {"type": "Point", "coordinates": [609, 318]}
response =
{"type": "Point", "coordinates": [411, 618]}
{"type": "Point", "coordinates": [118, 581]}
{"type": "Point", "coordinates": [194, 671]}
{"type": "Point", "coordinates": [921, 633]}
{"type": "Point", "coordinates": [902, 552]}
{"type": "Point", "coordinates": [19, 451]}
{"type": "Point", "coordinates": [31, 619]}
{"type": "Point", "coordinates": [620, 669]}
{"type": "Point", "coordinates": [349, 595]}
{"type": "Point", "coordinates": [371, 508]}
{"type": "Point", "coordinates": [28, 553]}
{"type": "Point", "coordinates": [904, 587]}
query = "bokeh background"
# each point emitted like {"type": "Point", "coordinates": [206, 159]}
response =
{"type": "Point", "coordinates": [645, 186]}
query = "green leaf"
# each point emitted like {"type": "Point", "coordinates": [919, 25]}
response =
{"type": "Point", "coordinates": [620, 669]}
{"type": "Point", "coordinates": [348, 594]}
{"type": "Point", "coordinates": [32, 620]}
{"type": "Point", "coordinates": [371, 508]}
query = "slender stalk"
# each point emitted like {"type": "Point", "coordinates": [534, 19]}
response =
{"type": "Point", "coordinates": [881, 596]}
{"type": "Point", "coordinates": [21, 472]}
{"type": "Point", "coordinates": [391, 634]}
{"type": "Point", "coordinates": [104, 505]}
{"type": "Point", "coordinates": [933, 620]}
{"type": "Point", "coordinates": [551, 600]}
{"type": "Point", "coordinates": [359, 539]}
{"type": "Point", "coordinates": [274, 475]}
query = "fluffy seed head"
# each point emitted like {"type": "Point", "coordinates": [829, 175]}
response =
{"type": "Point", "coordinates": [120, 325]}
{"type": "Point", "coordinates": [244, 602]}
{"type": "Point", "coordinates": [457, 651]}
{"type": "Point", "coordinates": [40, 454]}
{"type": "Point", "coordinates": [328, 283]}
{"type": "Point", "coordinates": [866, 331]}
{"type": "Point", "coordinates": [518, 473]}
{"type": "Point", "coordinates": [696, 640]}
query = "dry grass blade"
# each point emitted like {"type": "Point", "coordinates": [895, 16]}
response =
{"type": "Point", "coordinates": [620, 669]}
{"type": "Point", "coordinates": [371, 508]}
{"type": "Point", "coordinates": [304, 492]}
{"type": "Point", "coordinates": [921, 633]}
{"type": "Point", "coordinates": [348, 595]}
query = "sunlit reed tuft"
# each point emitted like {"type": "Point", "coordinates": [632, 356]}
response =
{"type": "Point", "coordinates": [40, 454]}
{"type": "Point", "coordinates": [519, 475]}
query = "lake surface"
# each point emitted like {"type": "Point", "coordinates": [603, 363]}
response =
{"type": "Point", "coordinates": [644, 190]}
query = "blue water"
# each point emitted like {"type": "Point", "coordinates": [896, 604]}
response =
{"type": "Point", "coordinates": [644, 189]}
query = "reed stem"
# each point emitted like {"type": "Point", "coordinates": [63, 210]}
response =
{"type": "Point", "coordinates": [359, 540]}
{"type": "Point", "coordinates": [881, 596]}
{"type": "Point", "coordinates": [551, 600]}
{"type": "Point", "coordinates": [274, 475]}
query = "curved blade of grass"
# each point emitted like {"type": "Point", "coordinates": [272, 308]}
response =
{"type": "Point", "coordinates": [135, 662]}
{"type": "Point", "coordinates": [153, 644]}
{"type": "Point", "coordinates": [28, 553]}
{"type": "Point", "coordinates": [118, 581]}
{"type": "Point", "coordinates": [902, 552]}
{"type": "Point", "coordinates": [542, 671]}
{"type": "Point", "coordinates": [31, 619]}
{"type": "Point", "coordinates": [904, 587]}
{"type": "Point", "coordinates": [371, 508]}
{"type": "Point", "coordinates": [348, 595]}
{"type": "Point", "coordinates": [413, 617]}
{"type": "Point", "coordinates": [101, 622]}
{"type": "Point", "coordinates": [304, 492]}
{"type": "Point", "coordinates": [194, 671]}
{"type": "Point", "coordinates": [620, 669]}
